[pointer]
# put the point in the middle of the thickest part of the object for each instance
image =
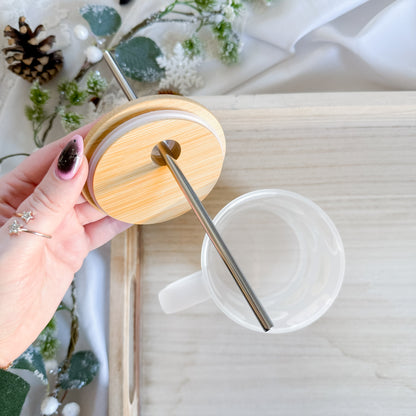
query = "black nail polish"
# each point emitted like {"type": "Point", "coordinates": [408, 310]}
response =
{"type": "Point", "coordinates": [70, 158]}
{"type": "Point", "coordinates": [122, 2]}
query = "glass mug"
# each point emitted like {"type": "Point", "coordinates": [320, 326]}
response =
{"type": "Point", "coordinates": [288, 249]}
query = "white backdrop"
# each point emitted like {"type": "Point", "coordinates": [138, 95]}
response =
{"type": "Point", "coordinates": [291, 46]}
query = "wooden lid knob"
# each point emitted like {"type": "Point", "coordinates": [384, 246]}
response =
{"type": "Point", "coordinates": [126, 184]}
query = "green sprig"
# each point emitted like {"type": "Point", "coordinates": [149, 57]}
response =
{"type": "Point", "coordinates": [70, 120]}
{"type": "Point", "coordinates": [36, 112]}
{"type": "Point", "coordinates": [192, 46]}
{"type": "Point", "coordinates": [38, 95]}
{"type": "Point", "coordinates": [72, 93]}
{"type": "Point", "coordinates": [210, 14]}
{"type": "Point", "coordinates": [237, 6]}
{"type": "Point", "coordinates": [96, 84]}
{"type": "Point", "coordinates": [47, 341]}
{"type": "Point", "coordinates": [229, 41]}
{"type": "Point", "coordinates": [206, 5]}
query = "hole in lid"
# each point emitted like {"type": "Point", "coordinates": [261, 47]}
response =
{"type": "Point", "coordinates": [172, 147]}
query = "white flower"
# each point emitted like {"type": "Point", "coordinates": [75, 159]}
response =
{"type": "Point", "coordinates": [81, 32]}
{"type": "Point", "coordinates": [93, 54]}
{"type": "Point", "coordinates": [49, 406]}
{"type": "Point", "coordinates": [51, 366]}
{"type": "Point", "coordinates": [229, 13]}
{"type": "Point", "coordinates": [181, 71]}
{"type": "Point", "coordinates": [71, 409]}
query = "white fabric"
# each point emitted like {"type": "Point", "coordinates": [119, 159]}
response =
{"type": "Point", "coordinates": [292, 46]}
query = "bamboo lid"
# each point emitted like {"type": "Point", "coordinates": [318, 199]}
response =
{"type": "Point", "coordinates": [125, 183]}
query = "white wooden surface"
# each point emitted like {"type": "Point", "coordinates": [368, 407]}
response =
{"type": "Point", "coordinates": [355, 155]}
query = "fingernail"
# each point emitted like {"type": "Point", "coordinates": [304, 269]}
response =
{"type": "Point", "coordinates": [70, 158]}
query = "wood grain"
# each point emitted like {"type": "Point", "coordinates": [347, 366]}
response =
{"type": "Point", "coordinates": [354, 155]}
{"type": "Point", "coordinates": [128, 186]}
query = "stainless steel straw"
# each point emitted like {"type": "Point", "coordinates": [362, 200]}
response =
{"type": "Point", "coordinates": [199, 210]}
{"type": "Point", "coordinates": [118, 75]}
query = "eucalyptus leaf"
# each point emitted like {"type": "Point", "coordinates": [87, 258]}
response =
{"type": "Point", "coordinates": [13, 392]}
{"type": "Point", "coordinates": [103, 20]}
{"type": "Point", "coordinates": [137, 59]}
{"type": "Point", "coordinates": [83, 367]}
{"type": "Point", "coordinates": [32, 360]}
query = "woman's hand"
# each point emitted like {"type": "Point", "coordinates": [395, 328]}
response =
{"type": "Point", "coordinates": [35, 271]}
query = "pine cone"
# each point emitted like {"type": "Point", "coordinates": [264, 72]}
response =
{"type": "Point", "coordinates": [30, 59]}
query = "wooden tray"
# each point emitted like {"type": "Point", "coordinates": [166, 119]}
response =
{"type": "Point", "coordinates": [355, 155]}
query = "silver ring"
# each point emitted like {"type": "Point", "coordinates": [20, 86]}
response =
{"type": "Point", "coordinates": [25, 215]}
{"type": "Point", "coordinates": [15, 228]}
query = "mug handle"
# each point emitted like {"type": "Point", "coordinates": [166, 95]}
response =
{"type": "Point", "coordinates": [183, 293]}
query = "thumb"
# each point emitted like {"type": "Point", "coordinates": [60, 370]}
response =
{"type": "Point", "coordinates": [60, 188]}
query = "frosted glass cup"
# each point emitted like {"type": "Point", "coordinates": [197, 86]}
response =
{"type": "Point", "coordinates": [289, 251]}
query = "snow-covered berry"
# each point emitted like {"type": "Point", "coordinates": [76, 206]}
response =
{"type": "Point", "coordinates": [71, 409]}
{"type": "Point", "coordinates": [49, 405]}
{"type": "Point", "coordinates": [93, 54]}
{"type": "Point", "coordinates": [81, 32]}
